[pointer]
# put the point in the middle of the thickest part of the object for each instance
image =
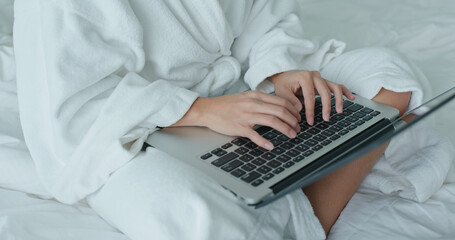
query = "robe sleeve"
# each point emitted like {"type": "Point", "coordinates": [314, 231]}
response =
{"type": "Point", "coordinates": [272, 42]}
{"type": "Point", "coordinates": [85, 110]}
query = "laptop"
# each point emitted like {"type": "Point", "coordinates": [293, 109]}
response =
{"type": "Point", "coordinates": [257, 176]}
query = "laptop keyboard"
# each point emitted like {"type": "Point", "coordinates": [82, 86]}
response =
{"type": "Point", "coordinates": [255, 165]}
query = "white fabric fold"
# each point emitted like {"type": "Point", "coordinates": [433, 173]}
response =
{"type": "Point", "coordinates": [414, 165]}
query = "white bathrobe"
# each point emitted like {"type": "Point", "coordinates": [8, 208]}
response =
{"type": "Point", "coordinates": [96, 77]}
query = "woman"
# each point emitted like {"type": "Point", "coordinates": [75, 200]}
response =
{"type": "Point", "coordinates": [95, 79]}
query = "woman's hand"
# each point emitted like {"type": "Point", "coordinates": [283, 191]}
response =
{"type": "Point", "coordinates": [309, 83]}
{"type": "Point", "coordinates": [237, 114]}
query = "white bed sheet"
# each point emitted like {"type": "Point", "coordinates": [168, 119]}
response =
{"type": "Point", "coordinates": [423, 30]}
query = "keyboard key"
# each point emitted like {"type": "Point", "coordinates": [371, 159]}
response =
{"type": "Point", "coordinates": [319, 138]}
{"type": "Point", "coordinates": [298, 158]}
{"type": "Point", "coordinates": [238, 172]}
{"type": "Point", "coordinates": [326, 142]}
{"type": "Point", "coordinates": [264, 169]}
{"type": "Point", "coordinates": [335, 128]}
{"type": "Point", "coordinates": [346, 104]}
{"type": "Point", "coordinates": [296, 140]}
{"type": "Point", "coordinates": [352, 127]}
{"type": "Point", "coordinates": [251, 145]}
{"type": "Point", "coordinates": [273, 164]}
{"type": "Point", "coordinates": [248, 167]}
{"type": "Point", "coordinates": [305, 135]}
{"type": "Point", "coordinates": [360, 122]}
{"type": "Point", "coordinates": [258, 161]}
{"type": "Point", "coordinates": [216, 150]}
{"type": "Point", "coordinates": [238, 141]}
{"type": "Point", "coordinates": [338, 117]}
{"type": "Point", "coordinates": [287, 145]}
{"type": "Point", "coordinates": [346, 113]}
{"type": "Point", "coordinates": [226, 146]}
{"type": "Point", "coordinates": [343, 132]}
{"type": "Point", "coordinates": [375, 113]}
{"type": "Point", "coordinates": [220, 153]}
{"type": "Point", "coordinates": [316, 148]}
{"type": "Point", "coordinates": [311, 142]}
{"type": "Point", "coordinates": [314, 130]}
{"type": "Point", "coordinates": [355, 107]}
{"type": "Point", "coordinates": [278, 170]}
{"type": "Point", "coordinates": [262, 130]}
{"type": "Point", "coordinates": [250, 176]}
{"type": "Point", "coordinates": [288, 164]}
{"type": "Point", "coordinates": [302, 147]}
{"type": "Point", "coordinates": [343, 123]}
{"type": "Point", "coordinates": [268, 155]}
{"type": "Point", "coordinates": [367, 118]}
{"type": "Point", "coordinates": [270, 135]}
{"type": "Point", "coordinates": [241, 150]}
{"type": "Point", "coordinates": [335, 137]}
{"type": "Point", "coordinates": [292, 153]}
{"type": "Point", "coordinates": [360, 114]}
{"type": "Point", "coordinates": [277, 150]}
{"type": "Point", "coordinates": [308, 153]}
{"type": "Point", "coordinates": [224, 159]}
{"type": "Point", "coordinates": [231, 165]}
{"type": "Point", "coordinates": [322, 126]}
{"type": "Point", "coordinates": [205, 156]}
{"type": "Point", "coordinates": [256, 152]}
{"type": "Point", "coordinates": [246, 158]}
{"type": "Point", "coordinates": [352, 118]}
{"type": "Point", "coordinates": [329, 132]}
{"type": "Point", "coordinates": [268, 176]}
{"type": "Point", "coordinates": [283, 158]}
{"type": "Point", "coordinates": [367, 110]}
{"type": "Point", "coordinates": [275, 142]}
{"type": "Point", "coordinates": [257, 183]}
{"type": "Point", "coordinates": [282, 137]}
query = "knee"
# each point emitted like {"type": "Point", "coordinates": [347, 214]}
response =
{"type": "Point", "coordinates": [398, 100]}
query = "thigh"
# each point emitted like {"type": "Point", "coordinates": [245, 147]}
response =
{"type": "Point", "coordinates": [158, 197]}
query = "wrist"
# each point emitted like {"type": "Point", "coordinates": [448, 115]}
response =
{"type": "Point", "coordinates": [273, 79]}
{"type": "Point", "coordinates": [194, 115]}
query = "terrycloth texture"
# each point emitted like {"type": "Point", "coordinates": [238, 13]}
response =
{"type": "Point", "coordinates": [95, 79]}
{"type": "Point", "coordinates": [158, 197]}
{"type": "Point", "coordinates": [414, 165]}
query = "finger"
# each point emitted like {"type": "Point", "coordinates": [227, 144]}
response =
{"type": "Point", "coordinates": [257, 138]}
{"type": "Point", "coordinates": [293, 99]}
{"type": "Point", "coordinates": [338, 93]}
{"type": "Point", "coordinates": [278, 101]}
{"type": "Point", "coordinates": [347, 93]}
{"type": "Point", "coordinates": [324, 91]}
{"type": "Point", "coordinates": [276, 123]}
{"type": "Point", "coordinates": [279, 112]}
{"type": "Point", "coordinates": [308, 98]}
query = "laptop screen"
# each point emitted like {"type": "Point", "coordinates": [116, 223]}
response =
{"type": "Point", "coordinates": [417, 114]}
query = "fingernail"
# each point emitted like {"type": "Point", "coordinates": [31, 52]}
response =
{"type": "Point", "coordinates": [326, 116]}
{"type": "Point", "coordinates": [292, 133]}
{"type": "Point", "coordinates": [298, 128]}
{"type": "Point", "coordinates": [268, 146]}
{"type": "Point", "coordinates": [339, 109]}
{"type": "Point", "coordinates": [310, 121]}
{"type": "Point", "coordinates": [297, 106]}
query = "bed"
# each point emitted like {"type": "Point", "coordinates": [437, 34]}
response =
{"type": "Point", "coordinates": [421, 30]}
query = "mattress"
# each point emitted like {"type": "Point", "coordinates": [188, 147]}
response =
{"type": "Point", "coordinates": [422, 30]}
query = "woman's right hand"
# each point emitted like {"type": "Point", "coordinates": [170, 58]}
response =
{"type": "Point", "coordinates": [237, 114]}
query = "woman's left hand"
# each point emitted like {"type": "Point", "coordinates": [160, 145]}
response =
{"type": "Point", "coordinates": [309, 83]}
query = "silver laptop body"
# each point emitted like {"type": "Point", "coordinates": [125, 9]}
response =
{"type": "Point", "coordinates": [192, 144]}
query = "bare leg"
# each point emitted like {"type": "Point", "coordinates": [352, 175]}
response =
{"type": "Point", "coordinates": [329, 195]}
